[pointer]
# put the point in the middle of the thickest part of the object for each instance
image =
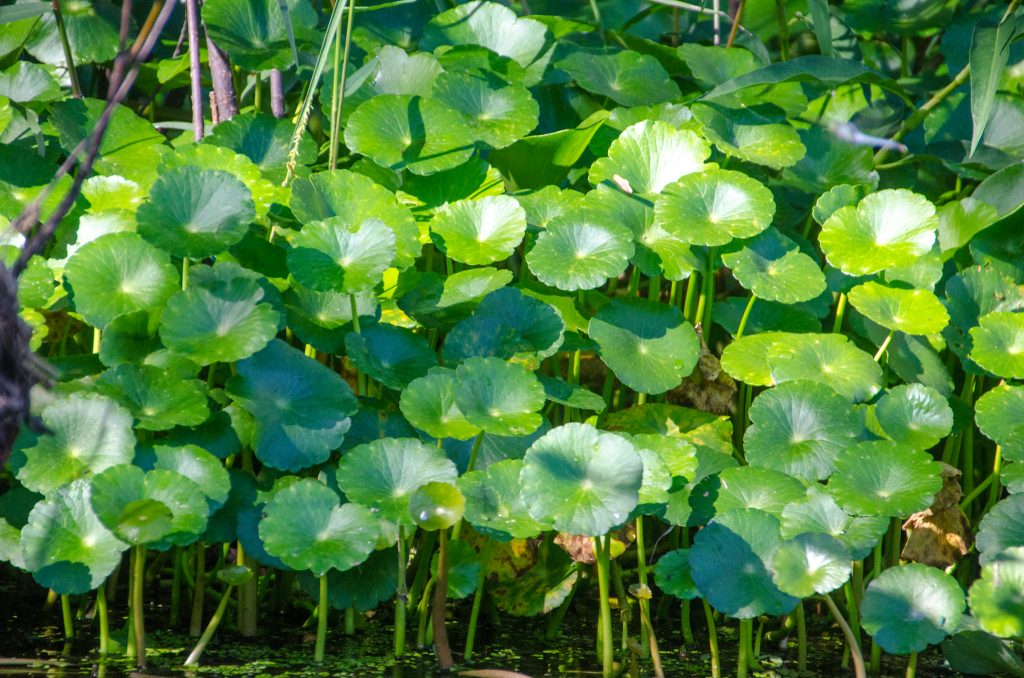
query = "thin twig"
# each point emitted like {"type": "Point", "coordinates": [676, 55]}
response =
{"type": "Point", "coordinates": [195, 67]}
{"type": "Point", "coordinates": [736, 23]}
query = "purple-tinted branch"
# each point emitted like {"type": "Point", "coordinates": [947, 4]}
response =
{"type": "Point", "coordinates": [195, 66]}
{"type": "Point", "coordinates": [276, 94]}
{"type": "Point", "coordinates": [223, 85]}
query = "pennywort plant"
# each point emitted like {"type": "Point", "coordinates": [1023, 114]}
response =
{"type": "Point", "coordinates": [588, 288]}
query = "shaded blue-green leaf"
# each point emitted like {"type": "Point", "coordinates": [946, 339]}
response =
{"type": "Point", "coordinates": [648, 345]}
{"type": "Point", "coordinates": [300, 408]}
{"type": "Point", "coordinates": [392, 355]}
{"type": "Point", "coordinates": [626, 77]}
{"type": "Point", "coordinates": [908, 608]}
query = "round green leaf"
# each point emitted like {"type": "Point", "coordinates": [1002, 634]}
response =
{"type": "Point", "coordinates": [149, 507]}
{"type": "Point", "coordinates": [730, 560]}
{"type": "Point", "coordinates": [119, 273]}
{"type": "Point", "coordinates": [908, 608]}
{"type": "Point", "coordinates": [580, 252]}
{"type": "Point", "coordinates": [211, 157]}
{"type": "Point", "coordinates": [799, 428]}
{"type": "Point", "coordinates": [157, 398]}
{"type": "Point", "coordinates": [714, 207]}
{"type": "Point", "coordinates": [334, 254]}
{"type": "Point", "coordinates": [300, 408]}
{"type": "Point", "coordinates": [914, 311]}
{"type": "Point", "coordinates": [772, 267]}
{"type": "Point", "coordinates": [356, 198]}
{"type": "Point", "coordinates": [498, 397]}
{"type": "Point", "coordinates": [196, 464]}
{"type": "Point", "coordinates": [384, 474]}
{"type": "Point", "coordinates": [1000, 416]}
{"type": "Point", "coordinates": [810, 563]}
{"type": "Point", "coordinates": [672, 574]}
{"type": "Point", "coordinates": [648, 345]}
{"type": "Point", "coordinates": [409, 132]}
{"type": "Point", "coordinates": [746, 358]}
{"type": "Point", "coordinates": [819, 513]}
{"type": "Point", "coordinates": [889, 228]}
{"type": "Point", "coordinates": [828, 359]}
{"type": "Point", "coordinates": [649, 156]}
{"type": "Point", "coordinates": [750, 487]}
{"type": "Point", "coordinates": [883, 478]}
{"type": "Point", "coordinates": [496, 27]}
{"type": "Point", "coordinates": [479, 231]}
{"type": "Point", "coordinates": [256, 34]}
{"type": "Point", "coordinates": [429, 404]}
{"type": "Point", "coordinates": [1002, 528]}
{"type": "Point", "coordinates": [915, 415]}
{"type": "Point", "coordinates": [265, 140]}
{"type": "Point", "coordinates": [997, 598]}
{"type": "Point", "coordinates": [626, 77]}
{"type": "Point", "coordinates": [86, 434]}
{"type": "Point", "coordinates": [509, 325]}
{"type": "Point", "coordinates": [495, 504]}
{"type": "Point", "coordinates": [436, 506]}
{"type": "Point", "coordinates": [65, 546]}
{"type": "Point", "coordinates": [392, 355]}
{"type": "Point", "coordinates": [581, 480]}
{"type": "Point", "coordinates": [999, 344]}
{"type": "Point", "coordinates": [308, 529]}
{"type": "Point", "coordinates": [195, 213]}
{"type": "Point", "coordinates": [222, 316]}
{"type": "Point", "coordinates": [748, 134]}
{"type": "Point", "coordinates": [499, 113]}
{"type": "Point", "coordinates": [91, 29]}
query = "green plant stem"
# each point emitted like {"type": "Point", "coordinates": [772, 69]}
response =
{"type": "Point", "coordinates": [477, 442]}
{"type": "Point", "coordinates": [654, 288]}
{"type": "Point", "coordinates": [716, 662]}
{"type": "Point", "coordinates": [641, 575]}
{"type": "Point", "coordinates": [321, 621]}
{"type": "Point", "coordinates": [684, 622]}
{"type": "Point", "coordinates": [983, 485]}
{"type": "Point", "coordinates": [912, 665]}
{"type": "Point", "coordinates": [601, 552]}
{"type": "Point", "coordinates": [783, 22]}
{"type": "Point", "coordinates": [996, 485]}
{"type": "Point", "coordinates": [885, 345]}
{"type": "Point", "coordinates": [439, 605]}
{"type": "Point", "coordinates": [69, 60]}
{"type": "Point", "coordinates": [103, 618]}
{"type": "Point", "coordinates": [350, 621]}
{"type": "Point", "coordinates": [746, 316]}
{"type": "Point", "coordinates": [199, 591]}
{"type": "Point", "coordinates": [743, 661]}
{"type": "Point", "coordinates": [338, 92]}
{"type": "Point", "coordinates": [852, 604]}
{"type": "Point", "coordinates": [174, 611]}
{"type": "Point", "coordinates": [917, 117]}
{"type": "Point", "coordinates": [211, 628]}
{"type": "Point", "coordinates": [851, 639]}
{"type": "Point", "coordinates": [876, 658]}
{"type": "Point", "coordinates": [692, 285]}
{"type": "Point", "coordinates": [645, 623]}
{"type": "Point", "coordinates": [247, 602]}
{"type": "Point", "coordinates": [478, 597]}
{"type": "Point", "coordinates": [401, 595]}
{"type": "Point", "coordinates": [801, 636]}
{"type": "Point", "coordinates": [837, 325]}
{"type": "Point", "coordinates": [951, 450]}
{"type": "Point", "coordinates": [67, 617]}
{"type": "Point", "coordinates": [138, 616]}
{"type": "Point", "coordinates": [708, 293]}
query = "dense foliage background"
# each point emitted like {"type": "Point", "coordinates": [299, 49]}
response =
{"type": "Point", "coordinates": [715, 310]}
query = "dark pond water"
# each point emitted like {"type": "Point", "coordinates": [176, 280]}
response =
{"type": "Point", "coordinates": [32, 644]}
